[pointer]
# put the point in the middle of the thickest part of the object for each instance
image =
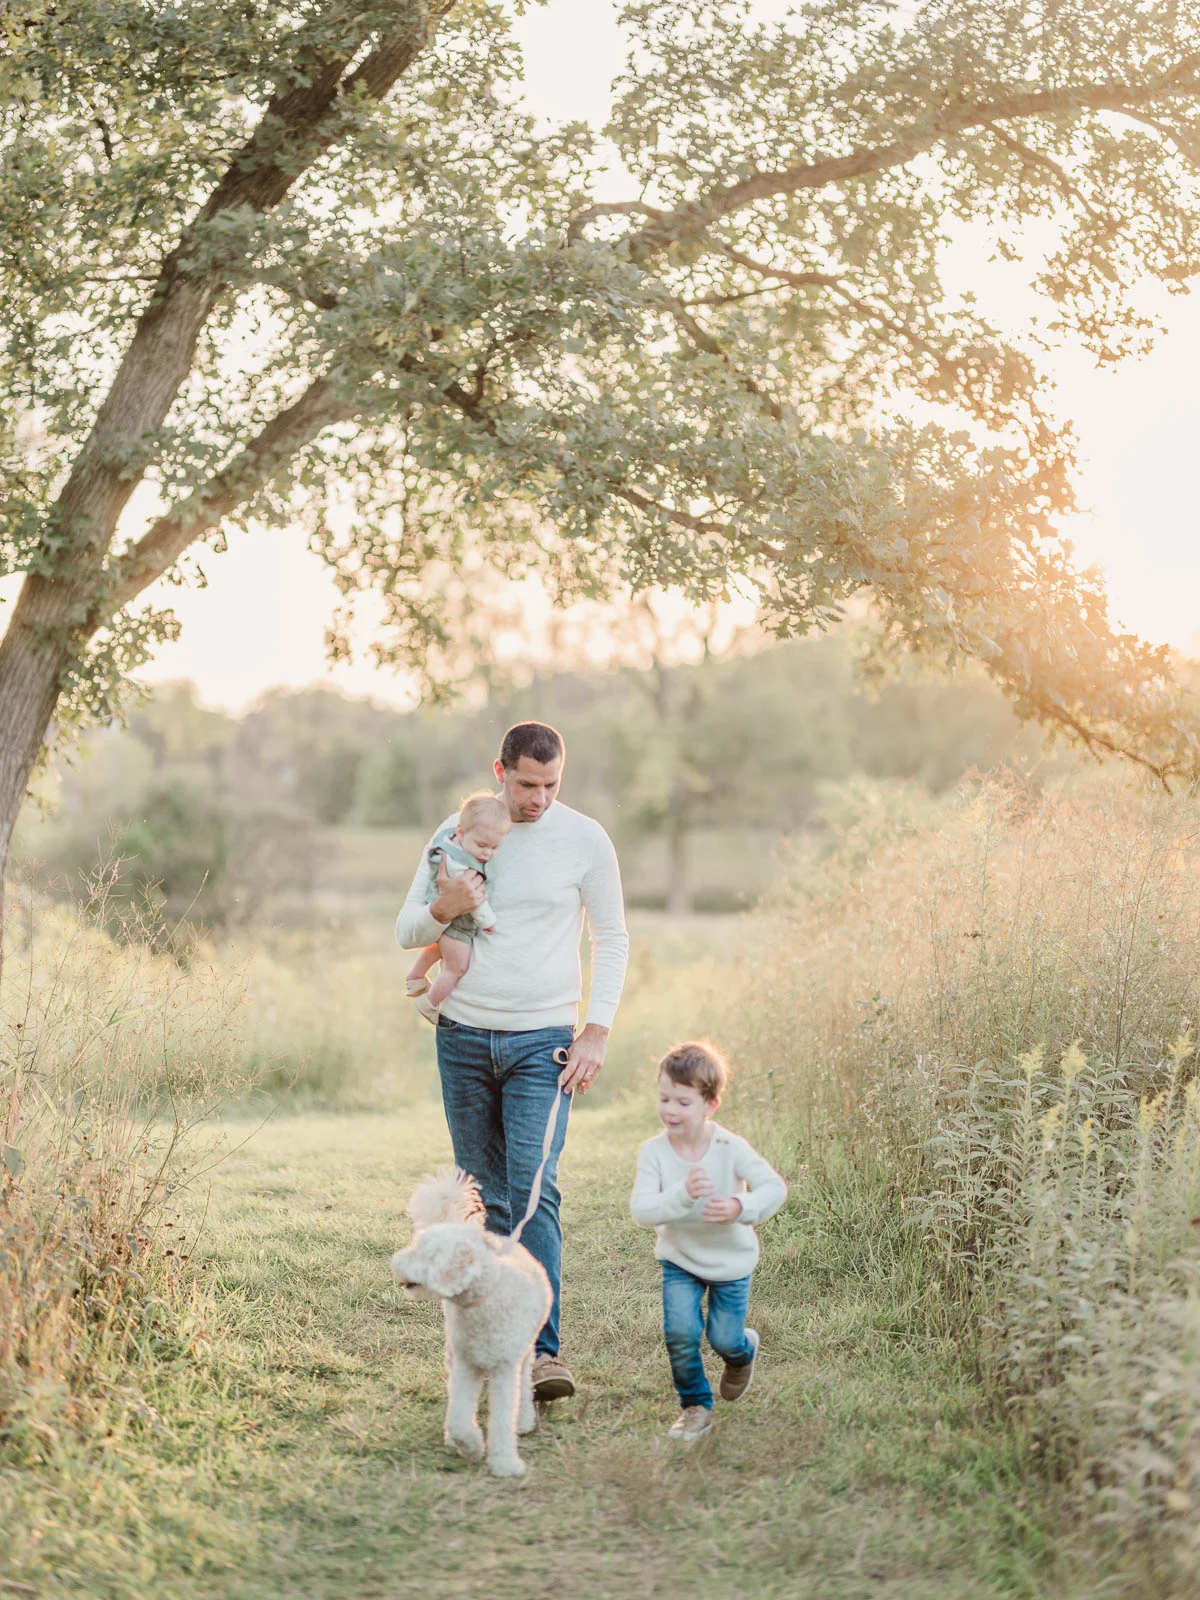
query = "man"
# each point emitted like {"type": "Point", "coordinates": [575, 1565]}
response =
{"type": "Point", "coordinates": [518, 1003]}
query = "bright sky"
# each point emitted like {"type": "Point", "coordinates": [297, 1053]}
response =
{"type": "Point", "coordinates": [261, 620]}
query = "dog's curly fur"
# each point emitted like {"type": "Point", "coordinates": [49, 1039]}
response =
{"type": "Point", "coordinates": [495, 1297]}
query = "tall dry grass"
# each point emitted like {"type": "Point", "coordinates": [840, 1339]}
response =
{"type": "Point", "coordinates": [326, 1021]}
{"type": "Point", "coordinates": [978, 1014]}
{"type": "Point", "coordinates": [111, 1060]}
{"type": "Point", "coordinates": [974, 929]}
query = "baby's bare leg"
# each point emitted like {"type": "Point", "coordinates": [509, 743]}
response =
{"type": "Point", "coordinates": [429, 957]}
{"type": "Point", "coordinates": [456, 958]}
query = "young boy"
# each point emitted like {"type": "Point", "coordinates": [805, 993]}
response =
{"type": "Point", "coordinates": [703, 1190]}
{"type": "Point", "coordinates": [478, 833]}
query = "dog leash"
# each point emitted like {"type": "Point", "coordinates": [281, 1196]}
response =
{"type": "Point", "coordinates": [535, 1193]}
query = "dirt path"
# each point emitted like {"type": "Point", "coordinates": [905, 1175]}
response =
{"type": "Point", "coordinates": [856, 1467]}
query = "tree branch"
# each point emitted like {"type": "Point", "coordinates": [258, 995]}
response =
{"type": "Point", "coordinates": [319, 407]}
{"type": "Point", "coordinates": [695, 218]}
{"type": "Point", "coordinates": [471, 407]}
{"type": "Point", "coordinates": [1188, 145]}
{"type": "Point", "coordinates": [250, 470]}
{"type": "Point", "coordinates": [796, 280]}
{"type": "Point", "coordinates": [681, 518]}
{"type": "Point", "coordinates": [296, 128]}
{"type": "Point", "coordinates": [621, 208]}
{"type": "Point", "coordinates": [1036, 158]}
{"type": "Point", "coordinates": [947, 368]}
{"type": "Point", "coordinates": [705, 341]}
{"type": "Point", "coordinates": [1051, 710]}
{"type": "Point", "coordinates": [826, 280]}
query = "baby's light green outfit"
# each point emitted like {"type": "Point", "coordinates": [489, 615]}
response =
{"type": "Point", "coordinates": [446, 847]}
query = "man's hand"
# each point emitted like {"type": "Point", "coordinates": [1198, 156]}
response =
{"type": "Point", "coordinates": [723, 1210]}
{"type": "Point", "coordinates": [698, 1183]}
{"type": "Point", "coordinates": [456, 897]}
{"type": "Point", "coordinates": [584, 1059]}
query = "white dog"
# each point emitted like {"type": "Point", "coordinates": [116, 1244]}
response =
{"type": "Point", "coordinates": [496, 1298]}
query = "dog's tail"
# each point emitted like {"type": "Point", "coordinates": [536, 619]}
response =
{"type": "Point", "coordinates": [449, 1196]}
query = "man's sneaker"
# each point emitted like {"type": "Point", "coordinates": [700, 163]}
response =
{"type": "Point", "coordinates": [736, 1380]}
{"type": "Point", "coordinates": [551, 1379]}
{"type": "Point", "coordinates": [692, 1423]}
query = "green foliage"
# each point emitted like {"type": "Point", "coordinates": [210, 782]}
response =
{"type": "Point", "coordinates": [387, 788]}
{"type": "Point", "coordinates": [202, 854]}
{"type": "Point", "coordinates": [307, 746]}
{"type": "Point", "coordinates": [164, 829]}
{"type": "Point", "coordinates": [315, 263]}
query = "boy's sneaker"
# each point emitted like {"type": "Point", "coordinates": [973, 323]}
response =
{"type": "Point", "coordinates": [415, 986]}
{"type": "Point", "coordinates": [692, 1423]}
{"type": "Point", "coordinates": [736, 1380]}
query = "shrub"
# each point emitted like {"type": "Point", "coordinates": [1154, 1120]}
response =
{"type": "Point", "coordinates": [1065, 1215]}
{"type": "Point", "coordinates": [976, 928]}
{"type": "Point", "coordinates": [981, 1006]}
{"type": "Point", "coordinates": [111, 1058]}
{"type": "Point", "coordinates": [180, 852]}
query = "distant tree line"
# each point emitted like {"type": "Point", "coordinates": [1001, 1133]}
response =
{"type": "Point", "coordinates": [202, 815]}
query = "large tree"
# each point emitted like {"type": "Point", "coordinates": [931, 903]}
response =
{"type": "Point", "coordinates": [264, 262]}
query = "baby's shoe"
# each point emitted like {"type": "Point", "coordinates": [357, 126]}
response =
{"type": "Point", "coordinates": [736, 1380]}
{"type": "Point", "coordinates": [428, 1011]}
{"type": "Point", "coordinates": [415, 986]}
{"type": "Point", "coordinates": [692, 1423]}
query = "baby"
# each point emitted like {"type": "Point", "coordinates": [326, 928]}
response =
{"type": "Point", "coordinates": [466, 846]}
{"type": "Point", "coordinates": [703, 1189]}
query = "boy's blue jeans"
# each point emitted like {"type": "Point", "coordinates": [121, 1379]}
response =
{"type": "Point", "coordinates": [498, 1089]}
{"type": "Point", "coordinates": [684, 1323]}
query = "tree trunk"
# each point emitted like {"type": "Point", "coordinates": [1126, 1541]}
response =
{"type": "Point", "coordinates": [72, 594]}
{"type": "Point", "coordinates": [33, 653]}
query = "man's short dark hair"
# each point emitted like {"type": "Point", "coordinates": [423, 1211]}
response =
{"type": "Point", "coordinates": [537, 740]}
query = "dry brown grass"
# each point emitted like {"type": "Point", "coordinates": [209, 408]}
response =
{"type": "Point", "coordinates": [112, 1059]}
{"type": "Point", "coordinates": [974, 929]}
{"type": "Point", "coordinates": [982, 1010]}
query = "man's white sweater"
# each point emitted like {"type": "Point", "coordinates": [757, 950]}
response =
{"type": "Point", "coordinates": [544, 879]}
{"type": "Point", "coordinates": [718, 1252]}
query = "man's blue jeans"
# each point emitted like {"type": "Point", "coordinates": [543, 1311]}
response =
{"type": "Point", "coordinates": [498, 1089]}
{"type": "Point", "coordinates": [683, 1325]}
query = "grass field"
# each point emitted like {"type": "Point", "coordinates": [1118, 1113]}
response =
{"type": "Point", "coordinates": [964, 1035]}
{"type": "Point", "coordinates": [296, 1450]}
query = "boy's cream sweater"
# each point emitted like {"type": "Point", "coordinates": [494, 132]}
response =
{"type": "Point", "coordinates": [718, 1252]}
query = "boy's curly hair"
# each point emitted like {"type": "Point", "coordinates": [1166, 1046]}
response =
{"type": "Point", "coordinates": [698, 1065]}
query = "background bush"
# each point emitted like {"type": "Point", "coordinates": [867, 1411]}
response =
{"type": "Point", "coordinates": [975, 1015]}
{"type": "Point", "coordinates": [112, 1061]}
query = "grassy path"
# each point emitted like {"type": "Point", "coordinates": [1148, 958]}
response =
{"type": "Point", "coordinates": [305, 1459]}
